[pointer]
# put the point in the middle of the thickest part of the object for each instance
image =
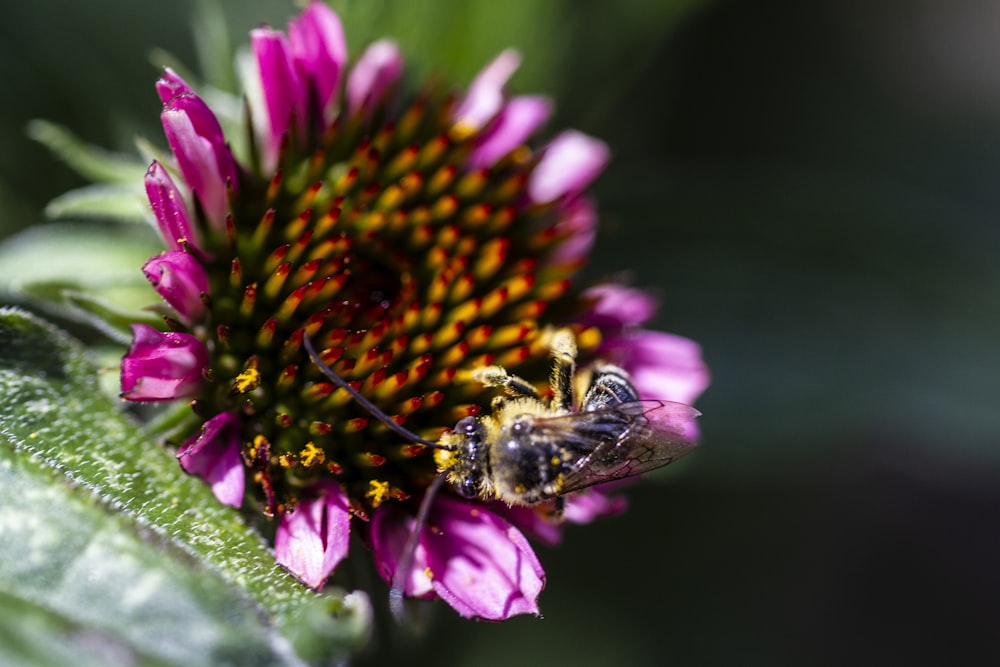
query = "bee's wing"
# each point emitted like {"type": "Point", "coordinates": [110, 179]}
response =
{"type": "Point", "coordinates": [620, 441]}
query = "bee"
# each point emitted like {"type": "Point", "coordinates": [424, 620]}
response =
{"type": "Point", "coordinates": [531, 449]}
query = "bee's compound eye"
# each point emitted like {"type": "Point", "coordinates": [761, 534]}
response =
{"type": "Point", "coordinates": [466, 426]}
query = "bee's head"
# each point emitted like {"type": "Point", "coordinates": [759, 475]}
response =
{"type": "Point", "coordinates": [465, 462]}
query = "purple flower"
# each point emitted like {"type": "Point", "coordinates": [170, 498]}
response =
{"type": "Point", "coordinates": [162, 366]}
{"type": "Point", "coordinates": [214, 455]}
{"type": "Point", "coordinates": [414, 238]}
{"type": "Point", "coordinates": [471, 558]}
{"type": "Point", "coordinates": [314, 537]}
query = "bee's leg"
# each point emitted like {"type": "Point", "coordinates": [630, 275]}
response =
{"type": "Point", "coordinates": [563, 349]}
{"type": "Point", "coordinates": [497, 376]}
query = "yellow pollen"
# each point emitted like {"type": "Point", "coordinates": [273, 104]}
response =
{"type": "Point", "coordinates": [311, 455]}
{"type": "Point", "coordinates": [248, 380]}
{"type": "Point", "coordinates": [555, 460]}
{"type": "Point", "coordinates": [377, 492]}
{"type": "Point", "coordinates": [462, 131]}
{"type": "Point", "coordinates": [430, 575]}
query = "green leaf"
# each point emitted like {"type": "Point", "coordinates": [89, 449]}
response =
{"type": "Point", "coordinates": [115, 202]}
{"type": "Point", "coordinates": [105, 542]}
{"type": "Point", "coordinates": [92, 162]}
{"type": "Point", "coordinates": [83, 271]}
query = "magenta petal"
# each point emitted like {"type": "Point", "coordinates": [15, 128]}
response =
{"type": "Point", "coordinates": [578, 226]}
{"type": "Point", "coordinates": [517, 120]}
{"type": "Point", "coordinates": [285, 94]}
{"type": "Point", "coordinates": [195, 136]}
{"type": "Point", "coordinates": [376, 70]}
{"type": "Point", "coordinates": [214, 455]}
{"type": "Point", "coordinates": [593, 503]}
{"type": "Point", "coordinates": [389, 530]}
{"type": "Point", "coordinates": [485, 96]}
{"type": "Point", "coordinates": [316, 39]}
{"type": "Point", "coordinates": [534, 522]}
{"type": "Point", "coordinates": [480, 564]}
{"type": "Point", "coordinates": [167, 202]}
{"type": "Point", "coordinates": [180, 279]}
{"type": "Point", "coordinates": [161, 366]}
{"type": "Point", "coordinates": [170, 85]}
{"type": "Point", "coordinates": [569, 164]}
{"type": "Point", "coordinates": [313, 538]}
{"type": "Point", "coordinates": [617, 306]}
{"type": "Point", "coordinates": [662, 366]}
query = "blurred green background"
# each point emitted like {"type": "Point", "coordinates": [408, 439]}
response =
{"type": "Point", "coordinates": [811, 188]}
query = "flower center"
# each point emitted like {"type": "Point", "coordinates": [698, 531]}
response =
{"type": "Point", "coordinates": [406, 269]}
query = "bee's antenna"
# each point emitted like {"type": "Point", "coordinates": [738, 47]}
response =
{"type": "Point", "coordinates": [373, 409]}
{"type": "Point", "coordinates": [405, 563]}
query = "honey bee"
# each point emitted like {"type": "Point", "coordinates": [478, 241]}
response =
{"type": "Point", "coordinates": [531, 449]}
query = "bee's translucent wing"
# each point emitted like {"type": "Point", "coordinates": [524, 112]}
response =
{"type": "Point", "coordinates": [618, 441]}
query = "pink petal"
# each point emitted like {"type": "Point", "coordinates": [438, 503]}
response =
{"type": "Point", "coordinates": [285, 94]}
{"type": "Point", "coordinates": [480, 564]}
{"type": "Point", "coordinates": [319, 49]}
{"type": "Point", "coordinates": [170, 85]}
{"type": "Point", "coordinates": [617, 306]}
{"type": "Point", "coordinates": [662, 366]}
{"type": "Point", "coordinates": [168, 206]}
{"type": "Point", "coordinates": [485, 96]}
{"type": "Point", "coordinates": [214, 455]}
{"type": "Point", "coordinates": [593, 503]}
{"type": "Point", "coordinates": [313, 538]}
{"type": "Point", "coordinates": [569, 164]}
{"type": "Point", "coordinates": [378, 68]}
{"type": "Point", "coordinates": [161, 366]}
{"type": "Point", "coordinates": [180, 279]}
{"type": "Point", "coordinates": [195, 136]}
{"type": "Point", "coordinates": [578, 226]}
{"type": "Point", "coordinates": [389, 530]}
{"type": "Point", "coordinates": [533, 520]}
{"type": "Point", "coordinates": [516, 121]}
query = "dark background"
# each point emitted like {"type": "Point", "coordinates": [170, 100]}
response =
{"type": "Point", "coordinates": [810, 187]}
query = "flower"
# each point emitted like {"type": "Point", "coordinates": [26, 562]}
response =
{"type": "Point", "coordinates": [413, 236]}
